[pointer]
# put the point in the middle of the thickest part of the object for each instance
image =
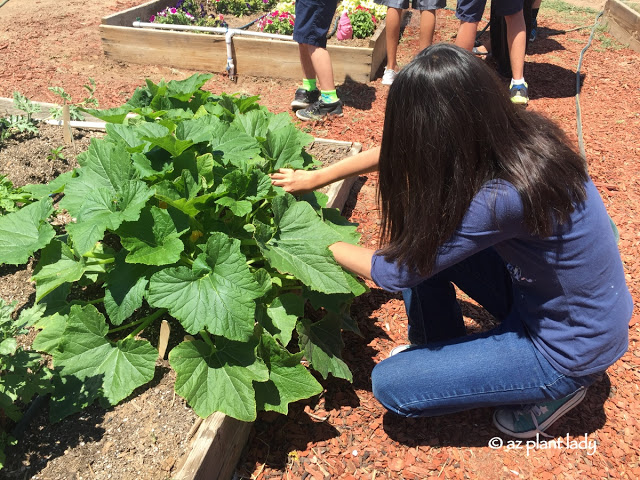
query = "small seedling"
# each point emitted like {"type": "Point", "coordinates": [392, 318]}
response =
{"type": "Point", "coordinates": [56, 154]}
{"type": "Point", "coordinates": [75, 109]}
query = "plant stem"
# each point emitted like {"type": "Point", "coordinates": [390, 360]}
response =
{"type": "Point", "coordinates": [146, 322]}
{"type": "Point", "coordinates": [128, 325]}
{"type": "Point", "coordinates": [186, 259]}
{"type": "Point", "coordinates": [205, 336]}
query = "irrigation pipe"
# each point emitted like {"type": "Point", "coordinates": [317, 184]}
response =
{"type": "Point", "coordinates": [228, 33]}
{"type": "Point", "coordinates": [578, 112]}
{"type": "Point", "coordinates": [78, 124]}
{"type": "Point", "coordinates": [5, 1]}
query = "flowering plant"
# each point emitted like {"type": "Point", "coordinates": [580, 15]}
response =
{"type": "Point", "coordinates": [288, 6]}
{"type": "Point", "coordinates": [350, 6]}
{"type": "Point", "coordinates": [173, 16]}
{"type": "Point", "coordinates": [240, 8]}
{"type": "Point", "coordinates": [362, 22]}
{"type": "Point", "coordinates": [277, 22]}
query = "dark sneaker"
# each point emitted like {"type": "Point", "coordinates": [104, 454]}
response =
{"type": "Point", "coordinates": [319, 110]}
{"type": "Point", "coordinates": [534, 30]}
{"type": "Point", "coordinates": [304, 98]}
{"type": "Point", "coordinates": [519, 94]}
{"type": "Point", "coordinates": [529, 421]}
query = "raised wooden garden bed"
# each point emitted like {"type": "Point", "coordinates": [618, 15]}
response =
{"type": "Point", "coordinates": [623, 23]}
{"type": "Point", "coordinates": [208, 53]}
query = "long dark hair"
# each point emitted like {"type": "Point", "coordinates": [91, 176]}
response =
{"type": "Point", "coordinates": [449, 128]}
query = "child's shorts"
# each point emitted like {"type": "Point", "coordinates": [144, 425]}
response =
{"type": "Point", "coordinates": [415, 4]}
{"type": "Point", "coordinates": [313, 19]}
{"type": "Point", "coordinates": [471, 10]}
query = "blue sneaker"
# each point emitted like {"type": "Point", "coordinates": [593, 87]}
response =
{"type": "Point", "coordinates": [534, 30]}
{"type": "Point", "coordinates": [530, 420]}
{"type": "Point", "coordinates": [519, 93]}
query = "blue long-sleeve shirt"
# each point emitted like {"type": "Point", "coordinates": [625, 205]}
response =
{"type": "Point", "coordinates": [568, 289]}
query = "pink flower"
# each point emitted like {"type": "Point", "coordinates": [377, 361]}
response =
{"type": "Point", "coordinates": [173, 10]}
{"type": "Point", "coordinates": [269, 21]}
{"type": "Point", "coordinates": [152, 18]}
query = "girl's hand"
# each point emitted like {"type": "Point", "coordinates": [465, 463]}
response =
{"type": "Point", "coordinates": [294, 181]}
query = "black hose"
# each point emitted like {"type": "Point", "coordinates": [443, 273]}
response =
{"type": "Point", "coordinates": [335, 28]}
{"type": "Point", "coordinates": [250, 23]}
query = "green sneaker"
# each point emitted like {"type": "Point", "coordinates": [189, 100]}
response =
{"type": "Point", "coordinates": [526, 422]}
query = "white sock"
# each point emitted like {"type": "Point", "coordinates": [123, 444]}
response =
{"type": "Point", "coordinates": [517, 82]}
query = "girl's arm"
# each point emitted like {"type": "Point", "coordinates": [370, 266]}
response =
{"type": "Point", "coordinates": [354, 258]}
{"type": "Point", "coordinates": [303, 181]}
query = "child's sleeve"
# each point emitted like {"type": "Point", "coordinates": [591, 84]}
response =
{"type": "Point", "coordinates": [494, 215]}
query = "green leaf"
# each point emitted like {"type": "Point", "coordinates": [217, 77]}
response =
{"type": "Point", "coordinates": [125, 287]}
{"type": "Point", "coordinates": [25, 231]}
{"type": "Point", "coordinates": [237, 147]}
{"type": "Point", "coordinates": [322, 345]}
{"type": "Point", "coordinates": [160, 136]}
{"type": "Point", "coordinates": [300, 247]}
{"type": "Point", "coordinates": [58, 265]}
{"type": "Point", "coordinates": [240, 208]}
{"type": "Point", "coordinates": [52, 331]}
{"type": "Point", "coordinates": [218, 379]}
{"type": "Point", "coordinates": [201, 129]}
{"type": "Point", "coordinates": [84, 352]}
{"type": "Point", "coordinates": [153, 239]}
{"type": "Point", "coordinates": [111, 115]}
{"type": "Point", "coordinates": [217, 293]}
{"type": "Point", "coordinates": [284, 312]}
{"type": "Point", "coordinates": [185, 89]}
{"type": "Point", "coordinates": [8, 346]}
{"type": "Point", "coordinates": [289, 381]}
{"type": "Point", "coordinates": [105, 209]}
{"type": "Point", "coordinates": [55, 186]}
{"type": "Point", "coordinates": [285, 147]}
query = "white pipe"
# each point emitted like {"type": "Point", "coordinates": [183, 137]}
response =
{"type": "Point", "coordinates": [77, 124]}
{"type": "Point", "coordinates": [231, 69]}
{"type": "Point", "coordinates": [228, 35]}
{"type": "Point", "coordinates": [193, 28]}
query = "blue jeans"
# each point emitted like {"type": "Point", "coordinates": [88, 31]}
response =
{"type": "Point", "coordinates": [448, 371]}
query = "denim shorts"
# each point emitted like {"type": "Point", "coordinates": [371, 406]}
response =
{"type": "Point", "coordinates": [472, 10]}
{"type": "Point", "coordinates": [415, 4]}
{"type": "Point", "coordinates": [313, 19]}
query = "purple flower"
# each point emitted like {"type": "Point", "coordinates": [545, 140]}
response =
{"type": "Point", "coordinates": [152, 18]}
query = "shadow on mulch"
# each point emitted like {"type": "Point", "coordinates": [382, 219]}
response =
{"type": "Point", "coordinates": [474, 428]}
{"type": "Point", "coordinates": [355, 94]}
{"type": "Point", "coordinates": [544, 44]}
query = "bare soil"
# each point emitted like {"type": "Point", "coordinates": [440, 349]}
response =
{"type": "Point", "coordinates": [344, 433]}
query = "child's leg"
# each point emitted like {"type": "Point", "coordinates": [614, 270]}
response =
{"type": "Point", "coordinates": [517, 40]}
{"type": "Point", "coordinates": [433, 310]}
{"type": "Point", "coordinates": [427, 28]}
{"type": "Point", "coordinates": [500, 367]}
{"type": "Point", "coordinates": [469, 12]}
{"type": "Point", "coordinates": [392, 36]}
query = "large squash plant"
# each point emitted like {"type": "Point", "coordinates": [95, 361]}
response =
{"type": "Point", "coordinates": [173, 216]}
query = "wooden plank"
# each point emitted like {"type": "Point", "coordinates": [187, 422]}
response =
{"type": "Point", "coordinates": [623, 23]}
{"type": "Point", "coordinates": [216, 449]}
{"type": "Point", "coordinates": [126, 17]}
{"type": "Point", "coordinates": [338, 192]}
{"type": "Point", "coordinates": [252, 56]}
{"type": "Point", "coordinates": [191, 51]}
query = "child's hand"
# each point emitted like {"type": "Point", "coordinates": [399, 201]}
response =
{"type": "Point", "coordinates": [294, 181]}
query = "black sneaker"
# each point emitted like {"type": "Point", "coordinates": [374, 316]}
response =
{"type": "Point", "coordinates": [319, 110]}
{"type": "Point", "coordinates": [304, 98]}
